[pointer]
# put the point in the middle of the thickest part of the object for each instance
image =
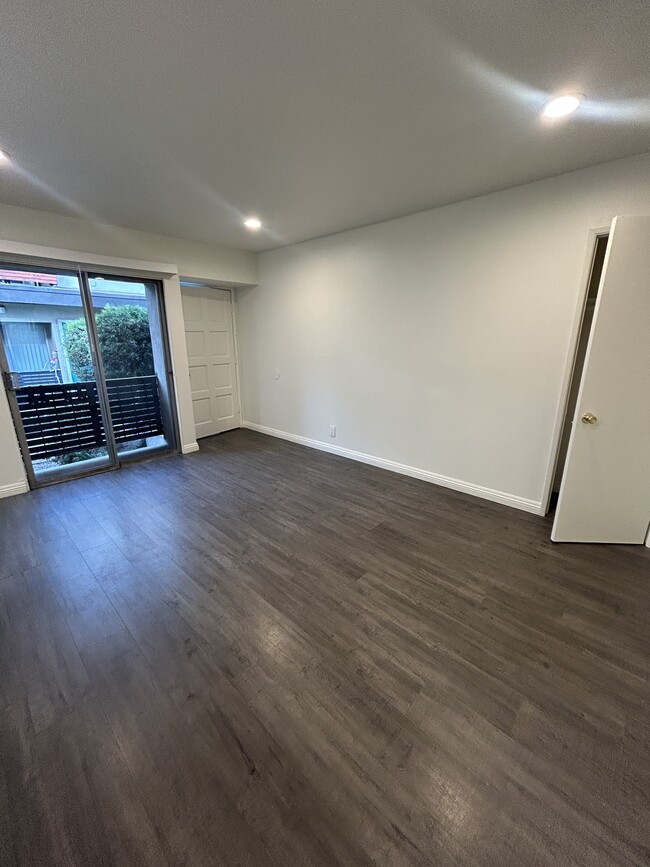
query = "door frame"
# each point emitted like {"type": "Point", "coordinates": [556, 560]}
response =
{"type": "Point", "coordinates": [569, 363]}
{"type": "Point", "coordinates": [235, 340]}
{"type": "Point", "coordinates": [20, 253]}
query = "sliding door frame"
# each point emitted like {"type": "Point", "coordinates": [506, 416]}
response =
{"type": "Point", "coordinates": [98, 365]}
{"type": "Point", "coordinates": [161, 316]}
{"type": "Point", "coordinates": [116, 460]}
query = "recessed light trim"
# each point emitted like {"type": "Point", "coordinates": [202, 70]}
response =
{"type": "Point", "coordinates": [561, 106]}
{"type": "Point", "coordinates": [253, 223]}
{"type": "Point", "coordinates": [4, 157]}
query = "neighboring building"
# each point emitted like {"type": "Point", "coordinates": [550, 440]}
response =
{"type": "Point", "coordinates": [34, 310]}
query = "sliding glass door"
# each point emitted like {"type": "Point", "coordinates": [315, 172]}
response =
{"type": "Point", "coordinates": [58, 411]}
{"type": "Point", "coordinates": [129, 322]}
{"type": "Point", "coordinates": [85, 365]}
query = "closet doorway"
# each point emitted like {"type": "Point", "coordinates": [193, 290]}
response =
{"type": "Point", "coordinates": [85, 363]}
{"type": "Point", "coordinates": [581, 353]}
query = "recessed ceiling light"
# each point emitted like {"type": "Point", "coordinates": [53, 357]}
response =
{"type": "Point", "coordinates": [562, 105]}
{"type": "Point", "coordinates": [253, 223]}
{"type": "Point", "coordinates": [4, 157]}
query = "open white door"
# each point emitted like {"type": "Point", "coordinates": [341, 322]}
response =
{"type": "Point", "coordinates": [605, 490]}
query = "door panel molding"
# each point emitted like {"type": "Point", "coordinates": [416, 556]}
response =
{"type": "Point", "coordinates": [212, 359]}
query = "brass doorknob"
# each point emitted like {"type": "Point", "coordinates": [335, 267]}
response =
{"type": "Point", "coordinates": [589, 418]}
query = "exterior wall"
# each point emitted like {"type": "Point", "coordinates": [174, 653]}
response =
{"type": "Point", "coordinates": [52, 316]}
{"type": "Point", "coordinates": [53, 305]}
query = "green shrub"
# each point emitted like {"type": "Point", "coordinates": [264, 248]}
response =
{"type": "Point", "coordinates": [124, 341]}
{"type": "Point", "coordinates": [75, 340]}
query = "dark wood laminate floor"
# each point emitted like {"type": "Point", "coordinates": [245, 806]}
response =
{"type": "Point", "coordinates": [261, 654]}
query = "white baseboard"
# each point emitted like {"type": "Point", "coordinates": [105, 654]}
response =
{"type": "Point", "coordinates": [533, 506]}
{"type": "Point", "coordinates": [189, 448]}
{"type": "Point", "coordinates": [16, 488]}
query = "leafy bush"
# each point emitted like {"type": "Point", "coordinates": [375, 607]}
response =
{"type": "Point", "coordinates": [124, 341]}
{"type": "Point", "coordinates": [75, 340]}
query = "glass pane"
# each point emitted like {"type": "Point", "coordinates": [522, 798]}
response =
{"type": "Point", "coordinates": [129, 332]}
{"type": "Point", "coordinates": [45, 339]}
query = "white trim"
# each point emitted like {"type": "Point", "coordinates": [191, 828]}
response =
{"type": "Point", "coordinates": [235, 340]}
{"type": "Point", "coordinates": [404, 469]}
{"type": "Point", "coordinates": [188, 448]}
{"type": "Point", "coordinates": [11, 490]}
{"type": "Point", "coordinates": [55, 257]}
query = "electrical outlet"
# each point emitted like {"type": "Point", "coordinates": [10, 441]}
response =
{"type": "Point", "coordinates": [332, 430]}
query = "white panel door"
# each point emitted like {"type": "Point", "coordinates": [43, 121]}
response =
{"type": "Point", "coordinates": [211, 355]}
{"type": "Point", "coordinates": [605, 491]}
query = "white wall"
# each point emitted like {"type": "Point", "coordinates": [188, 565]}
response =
{"type": "Point", "coordinates": [222, 265]}
{"type": "Point", "coordinates": [439, 341]}
{"type": "Point", "coordinates": [12, 475]}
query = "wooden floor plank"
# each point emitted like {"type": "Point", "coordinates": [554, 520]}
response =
{"type": "Point", "coordinates": [263, 654]}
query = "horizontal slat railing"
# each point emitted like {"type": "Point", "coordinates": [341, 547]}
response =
{"type": "Point", "coordinates": [64, 417]}
{"type": "Point", "coordinates": [135, 407]}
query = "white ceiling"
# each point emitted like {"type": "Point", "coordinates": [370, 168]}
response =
{"type": "Point", "coordinates": [318, 115]}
